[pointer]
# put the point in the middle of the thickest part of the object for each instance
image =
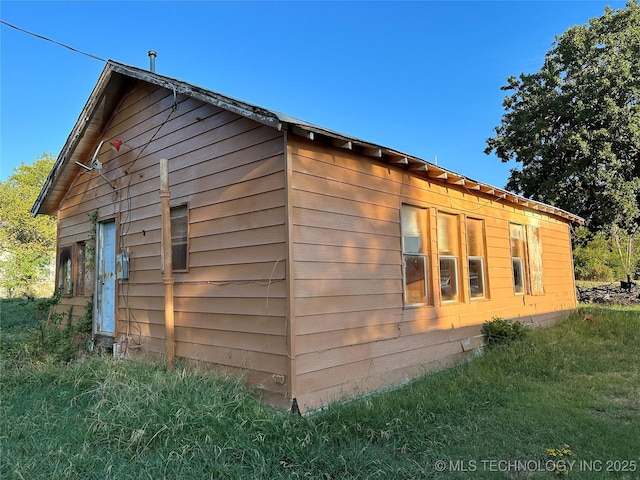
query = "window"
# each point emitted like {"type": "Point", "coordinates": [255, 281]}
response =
{"type": "Point", "coordinates": [476, 257]}
{"type": "Point", "coordinates": [518, 257]}
{"type": "Point", "coordinates": [65, 270]}
{"type": "Point", "coordinates": [449, 252]}
{"type": "Point", "coordinates": [81, 270]}
{"type": "Point", "coordinates": [534, 245]}
{"type": "Point", "coordinates": [179, 237]}
{"type": "Point", "coordinates": [414, 259]}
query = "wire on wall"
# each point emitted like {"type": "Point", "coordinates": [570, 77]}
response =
{"type": "Point", "coordinates": [126, 225]}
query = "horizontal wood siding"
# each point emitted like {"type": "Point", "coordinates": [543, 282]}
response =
{"type": "Point", "coordinates": [353, 333]}
{"type": "Point", "coordinates": [230, 306]}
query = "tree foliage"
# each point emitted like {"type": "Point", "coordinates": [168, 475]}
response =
{"type": "Point", "coordinates": [575, 125]}
{"type": "Point", "coordinates": [27, 243]}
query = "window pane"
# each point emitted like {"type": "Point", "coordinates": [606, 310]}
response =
{"type": "Point", "coordinates": [518, 275]}
{"type": "Point", "coordinates": [179, 227]}
{"type": "Point", "coordinates": [65, 271]}
{"type": "Point", "coordinates": [476, 277]}
{"type": "Point", "coordinates": [475, 238]}
{"type": "Point", "coordinates": [517, 240]}
{"type": "Point", "coordinates": [449, 278]}
{"type": "Point", "coordinates": [475, 246]}
{"type": "Point", "coordinates": [412, 229]}
{"type": "Point", "coordinates": [448, 234]}
{"type": "Point", "coordinates": [534, 246]}
{"type": "Point", "coordinates": [415, 279]}
{"type": "Point", "coordinates": [80, 266]}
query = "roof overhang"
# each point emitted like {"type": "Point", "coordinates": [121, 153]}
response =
{"type": "Point", "coordinates": [100, 107]}
{"type": "Point", "coordinates": [423, 168]}
{"type": "Point", "coordinates": [116, 78]}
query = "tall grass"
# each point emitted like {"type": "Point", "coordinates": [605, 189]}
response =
{"type": "Point", "coordinates": [575, 383]}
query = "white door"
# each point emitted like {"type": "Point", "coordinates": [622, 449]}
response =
{"type": "Point", "coordinates": [105, 305]}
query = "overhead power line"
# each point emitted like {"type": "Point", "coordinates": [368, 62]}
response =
{"type": "Point", "coordinates": [52, 41]}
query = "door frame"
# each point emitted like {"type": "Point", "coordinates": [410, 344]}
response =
{"type": "Point", "coordinates": [101, 264]}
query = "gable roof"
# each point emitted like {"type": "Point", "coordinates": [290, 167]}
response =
{"type": "Point", "coordinates": [115, 79]}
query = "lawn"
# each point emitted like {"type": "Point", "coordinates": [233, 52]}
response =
{"type": "Point", "coordinates": [575, 384]}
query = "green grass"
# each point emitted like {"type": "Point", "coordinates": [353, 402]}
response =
{"type": "Point", "coordinates": [576, 383]}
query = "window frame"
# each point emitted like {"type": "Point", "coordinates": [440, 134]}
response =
{"type": "Point", "coordinates": [535, 264]}
{"type": "Point", "coordinates": [80, 273]}
{"type": "Point", "coordinates": [455, 285]}
{"type": "Point", "coordinates": [482, 278]}
{"type": "Point", "coordinates": [518, 264]}
{"type": "Point", "coordinates": [421, 214]}
{"type": "Point", "coordinates": [455, 254]}
{"type": "Point", "coordinates": [476, 258]}
{"type": "Point", "coordinates": [65, 271]}
{"type": "Point", "coordinates": [174, 245]}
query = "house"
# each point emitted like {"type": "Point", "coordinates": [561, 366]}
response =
{"type": "Point", "coordinates": [318, 265]}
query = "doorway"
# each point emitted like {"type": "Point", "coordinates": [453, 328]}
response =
{"type": "Point", "coordinates": [105, 305]}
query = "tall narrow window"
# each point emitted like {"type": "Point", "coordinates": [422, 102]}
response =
{"type": "Point", "coordinates": [179, 237]}
{"type": "Point", "coordinates": [534, 246]}
{"type": "Point", "coordinates": [414, 255]}
{"type": "Point", "coordinates": [80, 268]}
{"type": "Point", "coordinates": [476, 256]}
{"type": "Point", "coordinates": [449, 252]}
{"type": "Point", "coordinates": [65, 271]}
{"type": "Point", "coordinates": [518, 257]}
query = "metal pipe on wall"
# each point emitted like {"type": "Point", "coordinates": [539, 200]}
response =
{"type": "Point", "coordinates": [167, 263]}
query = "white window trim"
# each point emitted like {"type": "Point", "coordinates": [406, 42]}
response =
{"type": "Point", "coordinates": [456, 270]}
{"type": "Point", "coordinates": [484, 279]}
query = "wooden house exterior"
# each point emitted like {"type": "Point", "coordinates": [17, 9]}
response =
{"type": "Point", "coordinates": [318, 265]}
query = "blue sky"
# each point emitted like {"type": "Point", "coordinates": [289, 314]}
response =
{"type": "Point", "coordinates": [423, 78]}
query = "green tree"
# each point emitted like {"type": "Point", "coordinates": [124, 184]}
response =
{"type": "Point", "coordinates": [592, 256]}
{"type": "Point", "coordinates": [574, 126]}
{"type": "Point", "coordinates": [27, 243]}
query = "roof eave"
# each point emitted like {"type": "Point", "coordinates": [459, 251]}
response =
{"type": "Point", "coordinates": [90, 123]}
{"type": "Point", "coordinates": [77, 147]}
{"type": "Point", "coordinates": [431, 171]}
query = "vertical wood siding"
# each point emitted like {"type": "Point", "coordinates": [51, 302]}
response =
{"type": "Point", "coordinates": [230, 306]}
{"type": "Point", "coordinates": [353, 333]}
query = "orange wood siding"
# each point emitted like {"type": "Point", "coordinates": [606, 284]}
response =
{"type": "Point", "coordinates": [231, 304]}
{"type": "Point", "coordinates": [353, 333]}
{"type": "Point", "coordinates": [295, 265]}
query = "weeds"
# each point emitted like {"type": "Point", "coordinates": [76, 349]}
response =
{"type": "Point", "coordinates": [499, 331]}
{"type": "Point", "coordinates": [574, 383]}
{"type": "Point", "coordinates": [43, 334]}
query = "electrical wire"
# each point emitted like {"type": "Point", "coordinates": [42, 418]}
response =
{"type": "Point", "coordinates": [126, 225]}
{"type": "Point", "coordinates": [42, 37]}
{"type": "Point", "coordinates": [127, 222]}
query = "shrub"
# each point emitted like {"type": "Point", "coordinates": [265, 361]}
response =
{"type": "Point", "coordinates": [499, 331]}
{"type": "Point", "coordinates": [33, 330]}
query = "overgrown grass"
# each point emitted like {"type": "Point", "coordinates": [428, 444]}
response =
{"type": "Point", "coordinates": [576, 383]}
